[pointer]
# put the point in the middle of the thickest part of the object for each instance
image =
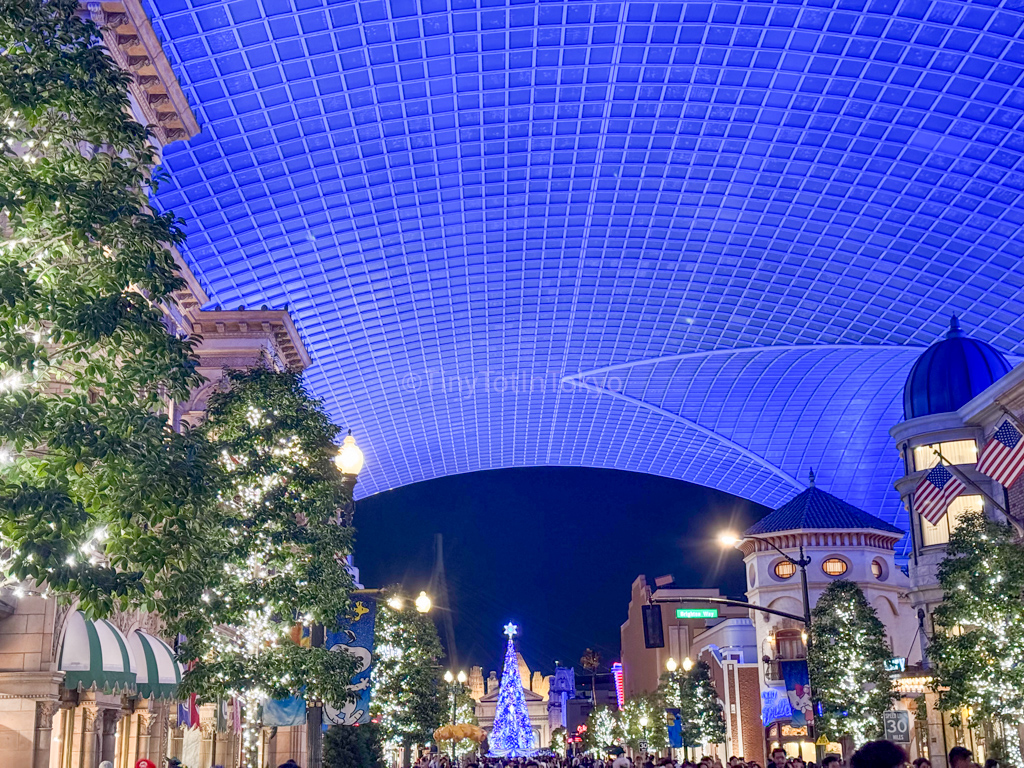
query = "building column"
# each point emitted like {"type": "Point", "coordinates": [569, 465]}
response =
{"type": "Point", "coordinates": [108, 733]}
{"type": "Point", "coordinates": [92, 723]}
{"type": "Point", "coordinates": [147, 721]}
{"type": "Point", "coordinates": [45, 710]}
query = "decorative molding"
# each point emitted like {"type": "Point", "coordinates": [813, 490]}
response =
{"type": "Point", "coordinates": [134, 46]}
{"type": "Point", "coordinates": [91, 720]}
{"type": "Point", "coordinates": [110, 719]}
{"type": "Point", "coordinates": [60, 618]}
{"type": "Point", "coordinates": [45, 710]}
{"type": "Point", "coordinates": [221, 330]}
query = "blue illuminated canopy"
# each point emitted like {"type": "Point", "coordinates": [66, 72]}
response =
{"type": "Point", "coordinates": [702, 240]}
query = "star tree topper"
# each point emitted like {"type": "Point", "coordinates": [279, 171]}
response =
{"type": "Point", "coordinates": [511, 630]}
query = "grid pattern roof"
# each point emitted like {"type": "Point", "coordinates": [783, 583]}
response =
{"type": "Point", "coordinates": [701, 239]}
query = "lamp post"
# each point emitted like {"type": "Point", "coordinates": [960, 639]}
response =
{"type": "Point", "coordinates": [643, 731]}
{"type": "Point", "coordinates": [731, 540]}
{"type": "Point", "coordinates": [349, 462]}
{"type": "Point", "coordinates": [454, 683]}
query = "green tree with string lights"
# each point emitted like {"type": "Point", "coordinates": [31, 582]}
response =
{"type": "Point", "coordinates": [847, 663]}
{"type": "Point", "coordinates": [692, 693]}
{"type": "Point", "coordinates": [642, 719]}
{"type": "Point", "coordinates": [100, 500]}
{"type": "Point", "coordinates": [602, 729]}
{"type": "Point", "coordinates": [408, 697]}
{"type": "Point", "coordinates": [279, 552]}
{"type": "Point", "coordinates": [978, 643]}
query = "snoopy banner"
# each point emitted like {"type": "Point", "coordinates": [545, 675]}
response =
{"type": "Point", "coordinates": [354, 634]}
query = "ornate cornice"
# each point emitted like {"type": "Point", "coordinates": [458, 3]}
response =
{"type": "Point", "coordinates": [226, 330]}
{"type": "Point", "coordinates": [133, 44]}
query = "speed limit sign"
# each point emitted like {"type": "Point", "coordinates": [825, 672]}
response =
{"type": "Point", "coordinates": [897, 726]}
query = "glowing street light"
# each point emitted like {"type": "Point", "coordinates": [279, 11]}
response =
{"type": "Point", "coordinates": [462, 677]}
{"type": "Point", "coordinates": [671, 665]}
{"type": "Point", "coordinates": [424, 603]}
{"type": "Point", "coordinates": [349, 459]}
{"type": "Point", "coordinates": [449, 677]}
{"type": "Point", "coordinates": [644, 721]}
{"type": "Point", "coordinates": [687, 664]}
{"type": "Point", "coordinates": [396, 603]}
{"type": "Point", "coordinates": [728, 539]}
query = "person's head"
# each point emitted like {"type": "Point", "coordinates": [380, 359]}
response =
{"type": "Point", "coordinates": [960, 757]}
{"type": "Point", "coordinates": [991, 763]}
{"type": "Point", "coordinates": [878, 754]}
{"type": "Point", "coordinates": [922, 762]}
{"type": "Point", "coordinates": [779, 757]}
{"type": "Point", "coordinates": [797, 762]}
{"type": "Point", "coordinates": [832, 761]}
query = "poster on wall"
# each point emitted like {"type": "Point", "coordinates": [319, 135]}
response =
{"type": "Point", "coordinates": [798, 689]}
{"type": "Point", "coordinates": [354, 634]}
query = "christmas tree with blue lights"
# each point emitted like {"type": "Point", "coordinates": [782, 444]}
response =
{"type": "Point", "coordinates": [512, 735]}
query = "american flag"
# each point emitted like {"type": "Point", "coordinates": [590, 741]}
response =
{"type": "Point", "coordinates": [934, 493]}
{"type": "Point", "coordinates": [1003, 457]}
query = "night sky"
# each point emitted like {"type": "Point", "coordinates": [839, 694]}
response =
{"type": "Point", "coordinates": [554, 549]}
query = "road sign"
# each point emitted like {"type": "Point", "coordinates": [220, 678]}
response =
{"type": "Point", "coordinates": [696, 613]}
{"type": "Point", "coordinates": [822, 741]}
{"type": "Point", "coordinates": [643, 746]}
{"type": "Point", "coordinates": [897, 726]}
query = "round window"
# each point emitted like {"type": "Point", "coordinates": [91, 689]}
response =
{"type": "Point", "coordinates": [878, 570]}
{"type": "Point", "coordinates": [785, 569]}
{"type": "Point", "coordinates": [751, 577]}
{"type": "Point", "coordinates": [834, 566]}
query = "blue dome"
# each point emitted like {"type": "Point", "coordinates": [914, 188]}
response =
{"type": "Point", "coordinates": [950, 373]}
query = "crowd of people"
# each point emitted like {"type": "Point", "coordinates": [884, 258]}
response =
{"type": "Point", "coordinates": [875, 754]}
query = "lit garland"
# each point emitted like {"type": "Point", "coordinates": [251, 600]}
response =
{"type": "Point", "coordinates": [847, 664]}
{"type": "Point", "coordinates": [978, 644]}
{"type": "Point", "coordinates": [512, 734]}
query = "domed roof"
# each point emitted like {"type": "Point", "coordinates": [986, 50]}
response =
{"type": "Point", "coordinates": [950, 373]}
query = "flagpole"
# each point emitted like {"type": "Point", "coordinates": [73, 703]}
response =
{"type": "Point", "coordinates": [1010, 414]}
{"type": "Point", "coordinates": [964, 478]}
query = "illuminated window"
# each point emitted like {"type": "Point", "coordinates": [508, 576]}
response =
{"type": "Point", "coordinates": [785, 569]}
{"type": "Point", "coordinates": [939, 533]}
{"type": "Point", "coordinates": [834, 566]}
{"type": "Point", "coordinates": [877, 570]}
{"type": "Point", "coordinates": [789, 644]}
{"type": "Point", "coordinates": [955, 451]}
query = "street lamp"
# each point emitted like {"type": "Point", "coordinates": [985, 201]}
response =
{"type": "Point", "coordinates": [423, 603]}
{"type": "Point", "coordinates": [451, 680]}
{"type": "Point", "coordinates": [349, 459]}
{"type": "Point", "coordinates": [729, 539]}
{"type": "Point", "coordinates": [349, 462]}
{"type": "Point", "coordinates": [671, 665]}
{"type": "Point", "coordinates": [643, 729]}
{"type": "Point", "coordinates": [687, 664]}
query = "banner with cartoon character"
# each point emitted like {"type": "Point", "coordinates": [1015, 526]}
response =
{"type": "Point", "coordinates": [798, 689]}
{"type": "Point", "coordinates": [354, 634]}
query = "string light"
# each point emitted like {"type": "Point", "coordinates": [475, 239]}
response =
{"type": "Point", "coordinates": [512, 734]}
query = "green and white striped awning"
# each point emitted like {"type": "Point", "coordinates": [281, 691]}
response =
{"type": "Point", "coordinates": [159, 673]}
{"type": "Point", "coordinates": [95, 656]}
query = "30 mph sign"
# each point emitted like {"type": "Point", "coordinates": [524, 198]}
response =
{"type": "Point", "coordinates": [897, 726]}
